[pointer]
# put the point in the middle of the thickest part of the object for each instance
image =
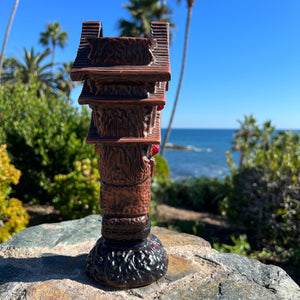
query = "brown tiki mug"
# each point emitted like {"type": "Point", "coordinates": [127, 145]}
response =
{"type": "Point", "coordinates": [125, 80]}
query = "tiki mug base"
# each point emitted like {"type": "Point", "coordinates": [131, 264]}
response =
{"type": "Point", "coordinates": [127, 265]}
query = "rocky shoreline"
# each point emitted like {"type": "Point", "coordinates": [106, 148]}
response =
{"type": "Point", "coordinates": [171, 146]}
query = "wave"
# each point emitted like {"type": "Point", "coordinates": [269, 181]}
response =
{"type": "Point", "coordinates": [187, 148]}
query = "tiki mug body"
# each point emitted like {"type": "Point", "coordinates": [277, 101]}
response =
{"type": "Point", "coordinates": [125, 80]}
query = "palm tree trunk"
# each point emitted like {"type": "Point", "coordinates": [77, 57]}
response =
{"type": "Point", "coordinates": [167, 135]}
{"type": "Point", "coordinates": [7, 34]}
{"type": "Point", "coordinates": [53, 56]}
{"type": "Point", "coordinates": [241, 159]}
{"type": "Point", "coordinates": [68, 97]}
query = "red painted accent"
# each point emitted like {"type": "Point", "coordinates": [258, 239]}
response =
{"type": "Point", "coordinates": [97, 150]}
{"type": "Point", "coordinates": [160, 107]}
{"type": "Point", "coordinates": [155, 149]}
{"type": "Point", "coordinates": [152, 248]}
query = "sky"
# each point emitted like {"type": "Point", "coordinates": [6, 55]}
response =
{"type": "Point", "coordinates": [243, 55]}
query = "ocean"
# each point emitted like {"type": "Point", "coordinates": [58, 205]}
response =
{"type": "Point", "coordinates": [207, 155]}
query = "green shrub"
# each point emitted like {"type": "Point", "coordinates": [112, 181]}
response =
{"type": "Point", "coordinates": [13, 216]}
{"type": "Point", "coordinates": [44, 136]}
{"type": "Point", "coordinates": [158, 187]}
{"type": "Point", "coordinates": [264, 200]}
{"type": "Point", "coordinates": [240, 246]}
{"type": "Point", "coordinates": [76, 194]}
{"type": "Point", "coordinates": [199, 194]}
{"type": "Point", "coordinates": [161, 168]}
{"type": "Point", "coordinates": [190, 227]}
{"type": "Point", "coordinates": [187, 226]}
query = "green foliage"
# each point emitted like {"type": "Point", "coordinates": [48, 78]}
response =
{"type": "Point", "coordinates": [44, 136]}
{"type": "Point", "coordinates": [161, 168]}
{"type": "Point", "coordinates": [190, 227]}
{"type": "Point", "coordinates": [249, 137]}
{"type": "Point", "coordinates": [141, 13]}
{"type": "Point", "coordinates": [184, 226]}
{"type": "Point", "coordinates": [55, 37]}
{"type": "Point", "coordinates": [13, 216]}
{"type": "Point", "coordinates": [199, 194]}
{"type": "Point", "coordinates": [240, 246]}
{"type": "Point", "coordinates": [30, 68]}
{"type": "Point", "coordinates": [63, 79]}
{"type": "Point", "coordinates": [264, 199]}
{"type": "Point", "coordinates": [76, 194]}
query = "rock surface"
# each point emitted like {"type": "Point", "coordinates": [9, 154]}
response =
{"type": "Point", "coordinates": [48, 262]}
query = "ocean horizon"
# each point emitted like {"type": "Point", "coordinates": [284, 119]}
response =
{"type": "Point", "coordinates": [206, 155]}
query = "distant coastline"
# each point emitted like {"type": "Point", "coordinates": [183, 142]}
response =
{"type": "Point", "coordinates": [198, 152]}
{"type": "Point", "coordinates": [177, 147]}
{"type": "Point", "coordinates": [171, 146]}
{"type": "Point", "coordinates": [228, 129]}
{"type": "Point", "coordinates": [163, 128]}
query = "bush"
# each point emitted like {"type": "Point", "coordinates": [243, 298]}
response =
{"type": "Point", "coordinates": [13, 216]}
{"type": "Point", "coordinates": [44, 136]}
{"type": "Point", "coordinates": [199, 194]}
{"type": "Point", "coordinates": [76, 194]}
{"type": "Point", "coordinates": [264, 200]}
{"type": "Point", "coordinates": [161, 168]}
{"type": "Point", "coordinates": [240, 246]}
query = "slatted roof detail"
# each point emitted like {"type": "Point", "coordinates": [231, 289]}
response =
{"type": "Point", "coordinates": [156, 98]}
{"type": "Point", "coordinates": [159, 70]}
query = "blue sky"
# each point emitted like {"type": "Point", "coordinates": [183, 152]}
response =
{"type": "Point", "coordinates": [243, 56]}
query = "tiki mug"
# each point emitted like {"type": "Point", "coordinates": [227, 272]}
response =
{"type": "Point", "coordinates": [125, 80]}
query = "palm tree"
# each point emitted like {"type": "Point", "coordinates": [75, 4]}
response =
{"type": "Point", "coordinates": [63, 80]}
{"type": "Point", "coordinates": [9, 70]}
{"type": "Point", "coordinates": [246, 137]}
{"type": "Point", "coordinates": [29, 68]}
{"type": "Point", "coordinates": [187, 27]}
{"type": "Point", "coordinates": [267, 131]}
{"type": "Point", "coordinates": [142, 12]}
{"type": "Point", "coordinates": [7, 34]}
{"type": "Point", "coordinates": [54, 36]}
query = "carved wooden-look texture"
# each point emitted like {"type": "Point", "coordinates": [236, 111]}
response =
{"type": "Point", "coordinates": [125, 80]}
{"type": "Point", "coordinates": [126, 51]}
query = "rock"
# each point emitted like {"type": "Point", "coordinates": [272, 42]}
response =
{"type": "Point", "coordinates": [48, 262]}
{"type": "Point", "coordinates": [176, 147]}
